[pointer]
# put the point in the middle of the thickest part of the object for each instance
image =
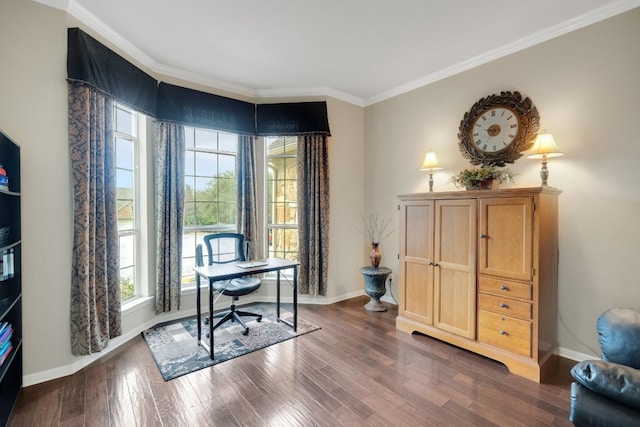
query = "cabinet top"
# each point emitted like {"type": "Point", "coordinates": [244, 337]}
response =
{"type": "Point", "coordinates": [476, 194]}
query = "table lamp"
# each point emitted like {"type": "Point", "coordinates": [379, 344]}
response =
{"type": "Point", "coordinates": [544, 147]}
{"type": "Point", "coordinates": [430, 164]}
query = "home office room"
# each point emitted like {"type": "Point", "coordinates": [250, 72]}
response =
{"type": "Point", "coordinates": [375, 89]}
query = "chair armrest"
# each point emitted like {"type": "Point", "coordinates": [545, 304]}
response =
{"type": "Point", "coordinates": [617, 382]}
{"type": "Point", "coordinates": [619, 336]}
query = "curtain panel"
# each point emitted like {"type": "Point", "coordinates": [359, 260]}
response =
{"type": "Point", "coordinates": [95, 283]}
{"type": "Point", "coordinates": [169, 182]}
{"type": "Point", "coordinates": [247, 217]}
{"type": "Point", "coordinates": [313, 213]}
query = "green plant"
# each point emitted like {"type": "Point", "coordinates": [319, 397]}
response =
{"type": "Point", "coordinates": [473, 177]}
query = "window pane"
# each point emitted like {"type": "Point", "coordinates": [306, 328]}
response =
{"type": "Point", "coordinates": [206, 213]}
{"type": "Point", "coordinates": [206, 164]}
{"type": "Point", "coordinates": [206, 139]}
{"type": "Point", "coordinates": [190, 163]}
{"type": "Point", "coordinates": [227, 142]}
{"type": "Point", "coordinates": [226, 165]}
{"type": "Point", "coordinates": [124, 153]}
{"type": "Point", "coordinates": [189, 134]}
{"type": "Point", "coordinates": [206, 189]}
{"type": "Point", "coordinates": [283, 243]}
{"type": "Point", "coordinates": [124, 121]}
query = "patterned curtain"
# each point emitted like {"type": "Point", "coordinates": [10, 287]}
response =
{"type": "Point", "coordinates": [95, 283]}
{"type": "Point", "coordinates": [169, 195]}
{"type": "Point", "coordinates": [246, 187]}
{"type": "Point", "coordinates": [313, 213]}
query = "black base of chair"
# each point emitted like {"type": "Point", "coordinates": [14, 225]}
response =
{"type": "Point", "coordinates": [234, 315]}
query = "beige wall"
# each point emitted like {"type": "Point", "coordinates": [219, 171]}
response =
{"type": "Point", "coordinates": [586, 86]}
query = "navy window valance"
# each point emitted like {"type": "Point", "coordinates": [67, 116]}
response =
{"type": "Point", "coordinates": [90, 62]}
{"type": "Point", "coordinates": [201, 109]}
{"type": "Point", "coordinates": [292, 119]}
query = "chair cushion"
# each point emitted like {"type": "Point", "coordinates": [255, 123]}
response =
{"type": "Point", "coordinates": [237, 287]}
{"type": "Point", "coordinates": [617, 382]}
{"type": "Point", "coordinates": [619, 336]}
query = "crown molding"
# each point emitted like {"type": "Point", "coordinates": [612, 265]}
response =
{"type": "Point", "coordinates": [307, 92]}
{"type": "Point", "coordinates": [98, 26]}
{"type": "Point", "coordinates": [587, 19]}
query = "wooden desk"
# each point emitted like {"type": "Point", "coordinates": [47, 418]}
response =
{"type": "Point", "coordinates": [221, 272]}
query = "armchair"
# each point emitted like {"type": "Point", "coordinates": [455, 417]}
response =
{"type": "Point", "coordinates": [607, 392]}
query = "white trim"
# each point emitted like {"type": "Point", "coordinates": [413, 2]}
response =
{"type": "Point", "coordinates": [574, 355]}
{"type": "Point", "coordinates": [592, 17]}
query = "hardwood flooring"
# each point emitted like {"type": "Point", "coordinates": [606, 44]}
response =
{"type": "Point", "coordinates": [356, 371]}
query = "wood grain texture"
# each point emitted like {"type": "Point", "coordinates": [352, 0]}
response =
{"type": "Point", "coordinates": [358, 370]}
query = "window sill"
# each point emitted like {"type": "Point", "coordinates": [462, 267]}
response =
{"type": "Point", "coordinates": [135, 304]}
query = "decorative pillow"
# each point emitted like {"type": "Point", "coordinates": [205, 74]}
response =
{"type": "Point", "coordinates": [617, 382]}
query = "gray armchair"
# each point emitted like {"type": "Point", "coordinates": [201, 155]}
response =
{"type": "Point", "coordinates": [607, 392]}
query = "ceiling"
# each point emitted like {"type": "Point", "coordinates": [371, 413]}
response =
{"type": "Point", "coordinates": [361, 51]}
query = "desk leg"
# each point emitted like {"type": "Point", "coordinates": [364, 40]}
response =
{"type": "Point", "coordinates": [278, 296]}
{"type": "Point", "coordinates": [295, 299]}
{"type": "Point", "coordinates": [211, 321]}
{"type": "Point", "coordinates": [294, 325]}
{"type": "Point", "coordinates": [198, 310]}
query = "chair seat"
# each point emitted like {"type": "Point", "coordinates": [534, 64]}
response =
{"type": "Point", "coordinates": [237, 287]}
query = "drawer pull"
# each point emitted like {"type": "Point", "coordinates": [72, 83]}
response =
{"type": "Point", "coordinates": [502, 305]}
{"type": "Point", "coordinates": [503, 288]}
{"type": "Point", "coordinates": [483, 236]}
{"type": "Point", "coordinates": [502, 332]}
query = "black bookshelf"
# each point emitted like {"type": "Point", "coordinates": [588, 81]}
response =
{"type": "Point", "coordinates": [10, 279]}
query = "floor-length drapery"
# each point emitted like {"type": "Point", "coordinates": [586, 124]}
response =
{"type": "Point", "coordinates": [169, 198]}
{"type": "Point", "coordinates": [246, 187]}
{"type": "Point", "coordinates": [313, 213]}
{"type": "Point", "coordinates": [95, 284]}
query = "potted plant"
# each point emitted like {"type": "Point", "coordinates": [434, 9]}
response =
{"type": "Point", "coordinates": [482, 178]}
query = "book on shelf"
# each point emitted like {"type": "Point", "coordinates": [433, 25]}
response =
{"type": "Point", "coordinates": [5, 355]}
{"type": "Point", "coordinates": [5, 336]}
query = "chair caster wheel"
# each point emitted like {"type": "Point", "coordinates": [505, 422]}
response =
{"type": "Point", "coordinates": [259, 319]}
{"type": "Point", "coordinates": [206, 320]}
{"type": "Point", "coordinates": [245, 332]}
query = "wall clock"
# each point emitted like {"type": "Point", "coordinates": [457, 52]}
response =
{"type": "Point", "coordinates": [498, 128]}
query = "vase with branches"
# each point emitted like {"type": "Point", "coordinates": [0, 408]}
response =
{"type": "Point", "coordinates": [375, 229]}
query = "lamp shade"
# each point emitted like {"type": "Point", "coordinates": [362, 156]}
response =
{"type": "Point", "coordinates": [544, 146]}
{"type": "Point", "coordinates": [430, 162]}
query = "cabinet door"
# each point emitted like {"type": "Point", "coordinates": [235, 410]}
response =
{"type": "Point", "coordinates": [506, 235]}
{"type": "Point", "coordinates": [416, 260]}
{"type": "Point", "coordinates": [455, 266]}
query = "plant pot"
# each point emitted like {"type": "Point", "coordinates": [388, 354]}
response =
{"type": "Point", "coordinates": [490, 184]}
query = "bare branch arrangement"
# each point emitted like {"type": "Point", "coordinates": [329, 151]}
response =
{"type": "Point", "coordinates": [375, 229]}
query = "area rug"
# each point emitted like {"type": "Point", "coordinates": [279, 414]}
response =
{"type": "Point", "coordinates": [175, 349]}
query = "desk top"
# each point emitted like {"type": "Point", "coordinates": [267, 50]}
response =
{"type": "Point", "coordinates": [231, 270]}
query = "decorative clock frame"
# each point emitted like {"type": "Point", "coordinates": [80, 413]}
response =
{"type": "Point", "coordinates": [528, 124]}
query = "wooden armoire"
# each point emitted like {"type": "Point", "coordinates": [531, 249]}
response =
{"type": "Point", "coordinates": [479, 269]}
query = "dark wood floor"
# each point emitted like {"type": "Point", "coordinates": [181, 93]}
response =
{"type": "Point", "coordinates": [357, 370]}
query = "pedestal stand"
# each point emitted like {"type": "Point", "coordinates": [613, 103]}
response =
{"type": "Point", "coordinates": [375, 279]}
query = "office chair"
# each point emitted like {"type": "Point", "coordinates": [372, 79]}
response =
{"type": "Point", "coordinates": [223, 248]}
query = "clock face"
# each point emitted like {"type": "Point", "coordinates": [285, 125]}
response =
{"type": "Point", "coordinates": [498, 129]}
{"type": "Point", "coordinates": [495, 129]}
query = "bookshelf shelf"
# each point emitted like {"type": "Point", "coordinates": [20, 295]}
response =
{"type": "Point", "coordinates": [10, 279]}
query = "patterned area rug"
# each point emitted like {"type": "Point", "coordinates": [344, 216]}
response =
{"type": "Point", "coordinates": [175, 349]}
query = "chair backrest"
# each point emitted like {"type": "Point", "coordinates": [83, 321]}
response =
{"type": "Point", "coordinates": [223, 248]}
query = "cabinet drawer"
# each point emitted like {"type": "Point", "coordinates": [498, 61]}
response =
{"type": "Point", "coordinates": [503, 305]}
{"type": "Point", "coordinates": [504, 332]}
{"type": "Point", "coordinates": [505, 287]}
